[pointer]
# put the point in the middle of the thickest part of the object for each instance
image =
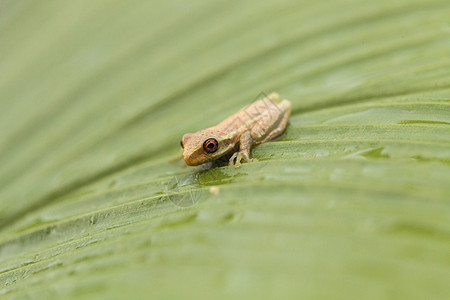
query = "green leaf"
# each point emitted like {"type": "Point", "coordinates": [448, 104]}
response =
{"type": "Point", "coordinates": [352, 202]}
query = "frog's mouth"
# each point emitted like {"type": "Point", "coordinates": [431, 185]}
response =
{"type": "Point", "coordinates": [195, 159]}
{"type": "Point", "coordinates": [199, 157]}
{"type": "Point", "coordinates": [191, 162]}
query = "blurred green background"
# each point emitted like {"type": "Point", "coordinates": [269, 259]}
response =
{"type": "Point", "coordinates": [352, 202]}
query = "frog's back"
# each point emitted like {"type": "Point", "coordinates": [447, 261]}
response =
{"type": "Point", "coordinates": [272, 121]}
{"type": "Point", "coordinates": [260, 117]}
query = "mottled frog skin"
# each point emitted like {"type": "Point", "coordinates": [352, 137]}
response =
{"type": "Point", "coordinates": [256, 123]}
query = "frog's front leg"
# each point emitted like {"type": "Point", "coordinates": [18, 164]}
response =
{"type": "Point", "coordinates": [245, 144]}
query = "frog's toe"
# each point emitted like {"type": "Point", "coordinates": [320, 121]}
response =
{"type": "Point", "coordinates": [238, 160]}
{"type": "Point", "coordinates": [235, 160]}
{"type": "Point", "coordinates": [247, 158]}
{"type": "Point", "coordinates": [232, 158]}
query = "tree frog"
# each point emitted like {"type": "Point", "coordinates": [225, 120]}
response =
{"type": "Point", "coordinates": [256, 123]}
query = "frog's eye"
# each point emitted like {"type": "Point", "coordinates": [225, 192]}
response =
{"type": "Point", "coordinates": [185, 138]}
{"type": "Point", "coordinates": [211, 145]}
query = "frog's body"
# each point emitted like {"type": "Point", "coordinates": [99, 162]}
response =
{"type": "Point", "coordinates": [256, 123]}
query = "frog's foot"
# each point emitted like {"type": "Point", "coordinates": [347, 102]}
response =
{"type": "Point", "coordinates": [236, 158]}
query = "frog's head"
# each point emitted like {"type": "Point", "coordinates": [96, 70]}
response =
{"type": "Point", "coordinates": [204, 146]}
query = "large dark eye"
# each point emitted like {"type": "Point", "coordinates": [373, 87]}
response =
{"type": "Point", "coordinates": [211, 145]}
{"type": "Point", "coordinates": [181, 144]}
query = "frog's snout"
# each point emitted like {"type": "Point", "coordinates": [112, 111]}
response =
{"type": "Point", "coordinates": [189, 160]}
{"type": "Point", "coordinates": [193, 159]}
